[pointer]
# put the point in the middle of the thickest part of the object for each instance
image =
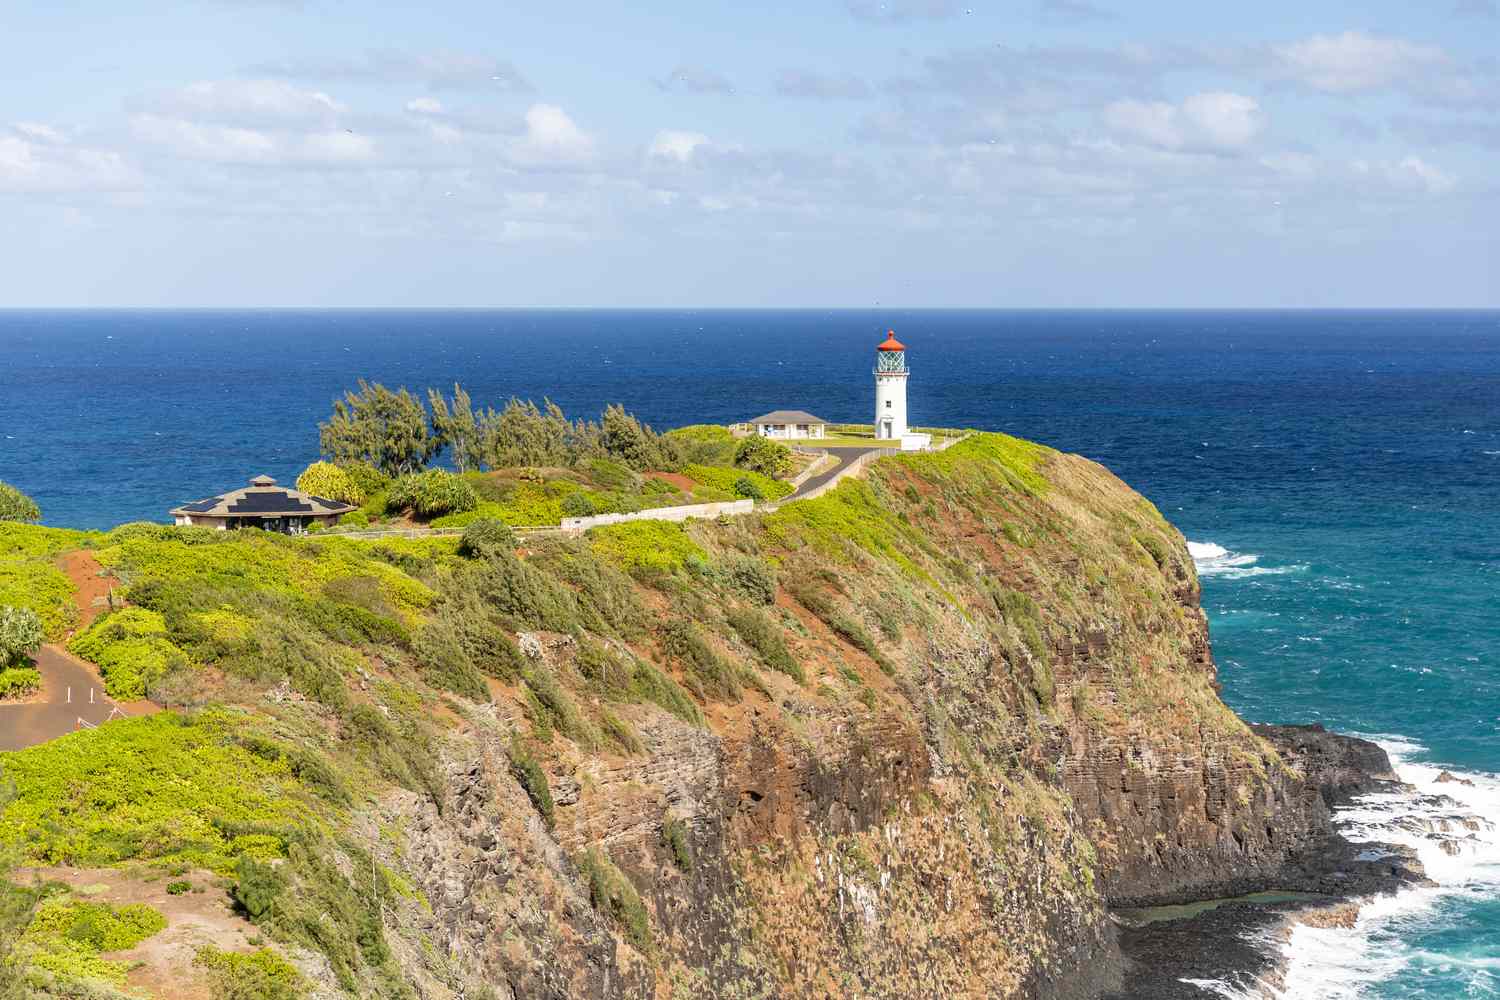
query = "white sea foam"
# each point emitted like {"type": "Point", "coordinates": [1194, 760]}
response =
{"type": "Point", "coordinates": [1331, 963]}
{"type": "Point", "coordinates": [1213, 559]}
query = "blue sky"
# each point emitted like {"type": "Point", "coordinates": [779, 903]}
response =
{"type": "Point", "coordinates": [1071, 153]}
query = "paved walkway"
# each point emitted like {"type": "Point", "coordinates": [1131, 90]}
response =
{"type": "Point", "coordinates": [846, 457]}
{"type": "Point", "coordinates": [72, 698]}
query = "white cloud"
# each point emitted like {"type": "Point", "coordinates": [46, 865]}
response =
{"type": "Point", "coordinates": [37, 158]}
{"type": "Point", "coordinates": [439, 70]}
{"type": "Point", "coordinates": [552, 139]}
{"type": "Point", "coordinates": [425, 106]}
{"type": "Point", "coordinates": [229, 144]}
{"type": "Point", "coordinates": [1354, 62]}
{"type": "Point", "coordinates": [246, 102]}
{"type": "Point", "coordinates": [1215, 121]}
{"type": "Point", "coordinates": [1414, 171]}
{"type": "Point", "coordinates": [1227, 120]}
{"type": "Point", "coordinates": [670, 144]}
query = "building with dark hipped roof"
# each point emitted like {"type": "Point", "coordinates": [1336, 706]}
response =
{"type": "Point", "coordinates": [263, 505]}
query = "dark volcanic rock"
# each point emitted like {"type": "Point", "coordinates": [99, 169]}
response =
{"type": "Point", "coordinates": [1341, 766]}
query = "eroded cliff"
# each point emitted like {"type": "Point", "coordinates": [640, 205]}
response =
{"type": "Point", "coordinates": [912, 738]}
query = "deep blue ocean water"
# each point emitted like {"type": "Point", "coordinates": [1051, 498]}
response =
{"type": "Point", "coordinates": [1337, 472]}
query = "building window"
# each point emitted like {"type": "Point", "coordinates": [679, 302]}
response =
{"type": "Point", "coordinates": [887, 404]}
{"type": "Point", "coordinates": [802, 429]}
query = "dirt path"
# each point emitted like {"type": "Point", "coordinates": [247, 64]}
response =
{"type": "Point", "coordinates": [201, 916]}
{"type": "Point", "coordinates": [93, 588]}
{"type": "Point", "coordinates": [72, 698]}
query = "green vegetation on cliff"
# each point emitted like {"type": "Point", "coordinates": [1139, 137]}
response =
{"type": "Point", "coordinates": [769, 727]}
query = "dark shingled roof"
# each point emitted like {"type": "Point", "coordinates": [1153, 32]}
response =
{"type": "Point", "coordinates": [263, 498]}
{"type": "Point", "coordinates": [789, 417]}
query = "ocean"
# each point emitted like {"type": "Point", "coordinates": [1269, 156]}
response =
{"type": "Point", "coordinates": [1337, 474]}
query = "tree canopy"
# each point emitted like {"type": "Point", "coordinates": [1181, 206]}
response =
{"type": "Point", "coordinates": [17, 506]}
{"type": "Point", "coordinates": [384, 428]}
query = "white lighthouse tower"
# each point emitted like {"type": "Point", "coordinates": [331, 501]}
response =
{"type": "Point", "coordinates": [890, 397]}
{"type": "Point", "coordinates": [890, 389]}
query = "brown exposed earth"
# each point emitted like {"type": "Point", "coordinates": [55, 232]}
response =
{"type": "Point", "coordinates": [201, 916]}
{"type": "Point", "coordinates": [92, 586]}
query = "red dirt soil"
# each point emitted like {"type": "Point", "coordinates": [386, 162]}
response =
{"type": "Point", "coordinates": [93, 588]}
{"type": "Point", "coordinates": [676, 479]}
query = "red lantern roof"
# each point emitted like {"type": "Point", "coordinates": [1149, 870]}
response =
{"type": "Point", "coordinates": [891, 343]}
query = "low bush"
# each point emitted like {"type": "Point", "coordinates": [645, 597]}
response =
{"type": "Point", "coordinates": [578, 505]}
{"type": "Point", "coordinates": [839, 623]}
{"type": "Point", "coordinates": [614, 896]}
{"type": "Point", "coordinates": [674, 834]}
{"type": "Point", "coordinates": [160, 788]}
{"type": "Point", "coordinates": [179, 888]}
{"type": "Point", "coordinates": [714, 676]}
{"type": "Point", "coordinates": [626, 678]}
{"type": "Point", "coordinates": [261, 975]}
{"type": "Point", "coordinates": [703, 444]}
{"type": "Point", "coordinates": [484, 536]}
{"type": "Point", "coordinates": [432, 494]}
{"type": "Point", "coordinates": [751, 577]}
{"type": "Point", "coordinates": [761, 634]}
{"type": "Point", "coordinates": [651, 546]}
{"type": "Point", "coordinates": [445, 662]}
{"type": "Point", "coordinates": [17, 682]}
{"type": "Point", "coordinates": [762, 455]}
{"type": "Point", "coordinates": [534, 781]}
{"type": "Point", "coordinates": [745, 488]}
{"type": "Point", "coordinates": [1155, 548]}
{"type": "Point", "coordinates": [729, 481]}
{"type": "Point", "coordinates": [35, 583]}
{"type": "Point", "coordinates": [65, 937]}
{"type": "Point", "coordinates": [550, 707]}
{"type": "Point", "coordinates": [131, 649]}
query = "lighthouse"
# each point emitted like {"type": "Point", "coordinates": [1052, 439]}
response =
{"type": "Point", "coordinates": [890, 389]}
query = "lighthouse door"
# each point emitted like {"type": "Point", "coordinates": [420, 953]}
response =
{"type": "Point", "coordinates": [885, 429]}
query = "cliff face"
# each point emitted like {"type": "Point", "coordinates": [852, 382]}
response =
{"type": "Point", "coordinates": [1009, 721]}
{"type": "Point", "coordinates": [912, 738]}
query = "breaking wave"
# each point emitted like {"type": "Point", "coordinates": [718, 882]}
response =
{"type": "Point", "coordinates": [1215, 560]}
{"type": "Point", "coordinates": [1452, 825]}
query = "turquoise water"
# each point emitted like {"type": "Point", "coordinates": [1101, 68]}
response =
{"type": "Point", "coordinates": [1338, 474]}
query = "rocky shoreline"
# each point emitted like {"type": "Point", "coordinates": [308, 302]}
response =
{"type": "Point", "coordinates": [1237, 942]}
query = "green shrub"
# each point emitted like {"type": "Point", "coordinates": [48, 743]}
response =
{"type": "Point", "coordinates": [100, 926]}
{"type": "Point", "coordinates": [21, 635]}
{"type": "Point", "coordinates": [607, 599]}
{"type": "Point", "coordinates": [159, 788]}
{"type": "Point", "coordinates": [652, 546]}
{"type": "Point", "coordinates": [446, 663]}
{"type": "Point", "coordinates": [432, 494]}
{"type": "Point", "coordinates": [577, 505]}
{"type": "Point", "coordinates": [524, 595]}
{"type": "Point", "coordinates": [355, 519]}
{"type": "Point", "coordinates": [484, 536]}
{"type": "Point", "coordinates": [620, 734]}
{"type": "Point", "coordinates": [714, 676]}
{"type": "Point", "coordinates": [611, 475]}
{"type": "Point", "coordinates": [257, 885]}
{"type": "Point", "coordinates": [627, 678]}
{"type": "Point", "coordinates": [762, 635]}
{"type": "Point", "coordinates": [534, 780]}
{"type": "Point", "coordinates": [556, 707]}
{"type": "Point", "coordinates": [37, 584]}
{"type": "Point", "coordinates": [326, 480]}
{"type": "Point", "coordinates": [262, 975]}
{"type": "Point", "coordinates": [1155, 548]}
{"type": "Point", "coordinates": [703, 444]}
{"type": "Point", "coordinates": [17, 506]}
{"type": "Point", "coordinates": [131, 649]}
{"type": "Point", "coordinates": [16, 682]}
{"type": "Point", "coordinates": [751, 577]}
{"type": "Point", "coordinates": [367, 479]}
{"type": "Point", "coordinates": [613, 895]}
{"type": "Point", "coordinates": [727, 481]}
{"type": "Point", "coordinates": [745, 487]}
{"type": "Point", "coordinates": [761, 454]}
{"type": "Point", "coordinates": [839, 623]}
{"type": "Point", "coordinates": [61, 945]}
{"type": "Point", "coordinates": [179, 887]}
{"type": "Point", "coordinates": [674, 835]}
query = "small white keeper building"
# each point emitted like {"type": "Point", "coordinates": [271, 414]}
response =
{"type": "Point", "coordinates": [788, 425]}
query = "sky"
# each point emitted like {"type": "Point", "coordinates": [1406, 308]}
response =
{"type": "Point", "coordinates": [858, 153]}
